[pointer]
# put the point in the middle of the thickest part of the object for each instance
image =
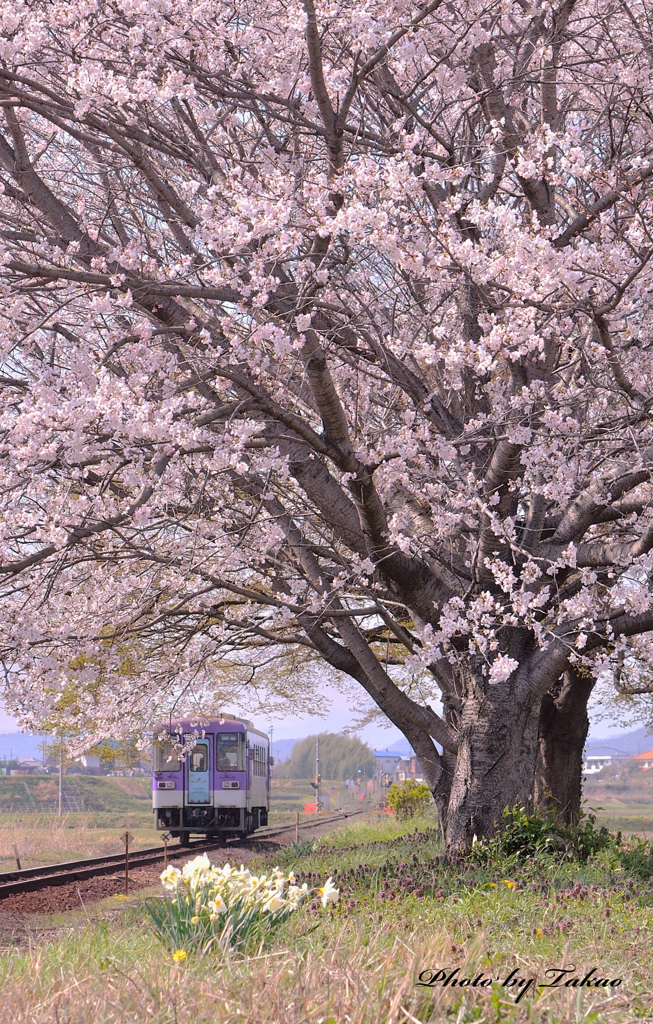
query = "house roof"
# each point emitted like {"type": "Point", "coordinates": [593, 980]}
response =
{"type": "Point", "coordinates": [391, 754]}
{"type": "Point", "coordinates": [648, 754]}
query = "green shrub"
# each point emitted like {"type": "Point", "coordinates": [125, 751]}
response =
{"type": "Point", "coordinates": [408, 798]}
{"type": "Point", "coordinates": [528, 833]}
{"type": "Point", "coordinates": [635, 856]}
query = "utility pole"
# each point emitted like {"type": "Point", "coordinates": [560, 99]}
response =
{"type": "Point", "coordinates": [271, 746]}
{"type": "Point", "coordinates": [317, 774]}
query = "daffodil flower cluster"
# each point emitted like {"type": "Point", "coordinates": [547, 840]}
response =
{"type": "Point", "coordinates": [213, 890]}
{"type": "Point", "coordinates": [226, 906]}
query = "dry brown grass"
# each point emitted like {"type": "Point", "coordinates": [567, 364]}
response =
{"type": "Point", "coordinates": [358, 978]}
{"type": "Point", "coordinates": [50, 839]}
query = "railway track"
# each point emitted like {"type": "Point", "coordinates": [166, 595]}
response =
{"type": "Point", "coordinates": [33, 879]}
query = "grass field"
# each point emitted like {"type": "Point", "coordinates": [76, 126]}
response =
{"type": "Point", "coordinates": [402, 912]}
{"type": "Point", "coordinates": [109, 806]}
{"type": "Point", "coordinates": [623, 798]}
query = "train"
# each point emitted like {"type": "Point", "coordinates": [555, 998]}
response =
{"type": "Point", "coordinates": [211, 780]}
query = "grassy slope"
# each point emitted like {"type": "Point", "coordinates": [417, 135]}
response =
{"type": "Point", "coordinates": [23, 794]}
{"type": "Point", "coordinates": [359, 963]}
{"type": "Point", "coordinates": [110, 805]}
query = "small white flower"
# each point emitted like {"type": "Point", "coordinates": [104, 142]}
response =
{"type": "Point", "coordinates": [329, 893]}
{"type": "Point", "coordinates": [170, 878]}
{"type": "Point", "coordinates": [217, 905]}
{"type": "Point", "coordinates": [274, 904]}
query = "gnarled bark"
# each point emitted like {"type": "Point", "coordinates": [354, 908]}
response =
{"type": "Point", "coordinates": [562, 732]}
{"type": "Point", "coordinates": [494, 769]}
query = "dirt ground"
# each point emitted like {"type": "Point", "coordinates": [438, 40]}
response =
{"type": "Point", "coordinates": [19, 911]}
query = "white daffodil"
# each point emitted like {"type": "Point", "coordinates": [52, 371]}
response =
{"type": "Point", "coordinates": [274, 904]}
{"type": "Point", "coordinates": [170, 878]}
{"type": "Point", "coordinates": [329, 893]}
{"type": "Point", "coordinates": [217, 906]}
{"type": "Point", "coordinates": [296, 893]}
{"type": "Point", "coordinates": [198, 866]}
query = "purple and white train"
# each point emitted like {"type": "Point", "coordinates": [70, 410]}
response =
{"type": "Point", "coordinates": [221, 784]}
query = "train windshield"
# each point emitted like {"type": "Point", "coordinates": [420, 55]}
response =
{"type": "Point", "coordinates": [165, 758]}
{"type": "Point", "coordinates": [230, 752]}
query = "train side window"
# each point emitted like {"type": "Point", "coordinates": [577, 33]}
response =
{"type": "Point", "coordinates": [230, 752]}
{"type": "Point", "coordinates": [165, 759]}
{"type": "Point", "coordinates": [198, 759]}
{"type": "Point", "coordinates": [259, 759]}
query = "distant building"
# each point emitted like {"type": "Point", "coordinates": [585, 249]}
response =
{"type": "Point", "coordinates": [602, 757]}
{"type": "Point", "coordinates": [645, 760]}
{"type": "Point", "coordinates": [386, 766]}
{"type": "Point", "coordinates": [409, 768]}
{"type": "Point", "coordinates": [87, 764]}
{"type": "Point", "coordinates": [27, 766]}
{"type": "Point", "coordinates": [595, 763]}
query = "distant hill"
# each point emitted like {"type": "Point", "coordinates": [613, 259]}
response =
{"type": "Point", "coordinates": [634, 742]}
{"type": "Point", "coordinates": [401, 747]}
{"type": "Point", "coordinates": [283, 748]}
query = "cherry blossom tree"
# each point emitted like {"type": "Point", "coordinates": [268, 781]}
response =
{"type": "Point", "coordinates": [326, 332]}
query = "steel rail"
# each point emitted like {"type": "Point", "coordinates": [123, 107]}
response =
{"type": "Point", "coordinates": [47, 875]}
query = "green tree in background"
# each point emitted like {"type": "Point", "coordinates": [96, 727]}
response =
{"type": "Point", "coordinates": [341, 757]}
{"type": "Point", "coordinates": [408, 798]}
{"type": "Point", "coordinates": [119, 755]}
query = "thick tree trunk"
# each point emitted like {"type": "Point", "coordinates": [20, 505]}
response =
{"type": "Point", "coordinates": [562, 731]}
{"type": "Point", "coordinates": [494, 766]}
{"type": "Point", "coordinates": [510, 751]}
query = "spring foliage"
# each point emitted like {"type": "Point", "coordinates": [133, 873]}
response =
{"type": "Point", "coordinates": [408, 798]}
{"type": "Point", "coordinates": [327, 327]}
{"type": "Point", "coordinates": [527, 833]}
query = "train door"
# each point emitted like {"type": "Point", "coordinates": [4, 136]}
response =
{"type": "Point", "coordinates": [198, 773]}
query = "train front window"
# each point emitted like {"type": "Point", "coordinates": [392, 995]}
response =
{"type": "Point", "coordinates": [230, 752]}
{"type": "Point", "coordinates": [198, 759]}
{"type": "Point", "coordinates": [165, 758]}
